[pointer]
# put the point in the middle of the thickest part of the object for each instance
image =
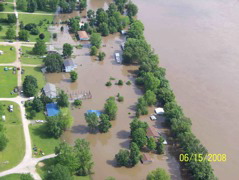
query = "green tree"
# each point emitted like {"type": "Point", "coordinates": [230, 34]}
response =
{"type": "Point", "coordinates": [2, 8]}
{"type": "Point", "coordinates": [37, 104]}
{"type": "Point", "coordinates": [22, 5]}
{"type": "Point", "coordinates": [134, 154]}
{"type": "Point", "coordinates": [136, 124]}
{"type": "Point", "coordinates": [23, 35]}
{"type": "Point", "coordinates": [54, 126]}
{"type": "Point", "coordinates": [35, 31]}
{"type": "Point", "coordinates": [160, 145]}
{"type": "Point", "coordinates": [151, 144]}
{"type": "Point", "coordinates": [74, 76]}
{"type": "Point", "coordinates": [150, 97]}
{"type": "Point", "coordinates": [11, 33]}
{"type": "Point", "coordinates": [26, 177]}
{"type": "Point", "coordinates": [132, 9]}
{"type": "Point", "coordinates": [101, 16]}
{"type": "Point", "coordinates": [103, 28]}
{"type": "Point", "coordinates": [136, 30]}
{"type": "Point", "coordinates": [67, 50]}
{"type": "Point", "coordinates": [110, 178]}
{"type": "Point", "coordinates": [104, 124]}
{"type": "Point", "coordinates": [123, 158]}
{"type": "Point", "coordinates": [42, 36]}
{"type": "Point", "coordinates": [11, 18]}
{"type": "Point", "coordinates": [92, 121]}
{"type": "Point", "coordinates": [111, 108]}
{"type": "Point", "coordinates": [30, 86]}
{"type": "Point", "coordinates": [93, 51]}
{"type": "Point", "coordinates": [62, 99]}
{"type": "Point", "coordinates": [1, 28]}
{"type": "Point", "coordinates": [141, 107]}
{"type": "Point", "coordinates": [39, 47]}
{"type": "Point", "coordinates": [58, 172]}
{"type": "Point", "coordinates": [165, 95]}
{"type": "Point", "coordinates": [151, 82]}
{"type": "Point", "coordinates": [77, 102]}
{"type": "Point", "coordinates": [74, 25]}
{"type": "Point", "coordinates": [53, 63]}
{"type": "Point", "coordinates": [101, 56]}
{"type": "Point", "coordinates": [83, 5]}
{"type": "Point", "coordinates": [3, 140]}
{"type": "Point", "coordinates": [84, 157]}
{"type": "Point", "coordinates": [95, 40]}
{"type": "Point", "coordinates": [158, 174]}
{"type": "Point", "coordinates": [139, 137]}
{"type": "Point", "coordinates": [90, 14]}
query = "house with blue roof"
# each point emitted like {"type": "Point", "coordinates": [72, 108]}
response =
{"type": "Point", "coordinates": [52, 109]}
{"type": "Point", "coordinates": [97, 112]}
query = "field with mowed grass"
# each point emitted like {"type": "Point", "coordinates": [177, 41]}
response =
{"type": "Point", "coordinates": [8, 7]}
{"type": "Point", "coordinates": [11, 177]}
{"type": "Point", "coordinates": [8, 81]}
{"type": "Point", "coordinates": [40, 138]}
{"type": "Point", "coordinates": [9, 54]}
{"type": "Point", "coordinates": [15, 150]}
{"type": "Point", "coordinates": [28, 58]}
{"type": "Point", "coordinates": [42, 22]}
{"type": "Point", "coordinates": [36, 72]}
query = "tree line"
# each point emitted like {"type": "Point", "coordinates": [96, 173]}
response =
{"type": "Point", "coordinates": [157, 89]}
{"type": "Point", "coordinates": [3, 137]}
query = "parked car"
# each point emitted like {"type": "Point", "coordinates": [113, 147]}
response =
{"type": "Point", "coordinates": [122, 45]}
{"type": "Point", "coordinates": [10, 108]}
{"type": "Point", "coordinates": [117, 57]}
{"type": "Point", "coordinates": [40, 121]}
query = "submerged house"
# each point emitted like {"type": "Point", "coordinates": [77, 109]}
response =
{"type": "Point", "coordinates": [152, 132]}
{"type": "Point", "coordinates": [146, 159]}
{"type": "Point", "coordinates": [50, 90]}
{"type": "Point", "coordinates": [52, 109]}
{"type": "Point", "coordinates": [69, 65]}
{"type": "Point", "coordinates": [97, 112]}
{"type": "Point", "coordinates": [54, 50]}
{"type": "Point", "coordinates": [83, 36]}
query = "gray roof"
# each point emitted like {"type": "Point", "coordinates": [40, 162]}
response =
{"type": "Point", "coordinates": [50, 90]}
{"type": "Point", "coordinates": [69, 62]}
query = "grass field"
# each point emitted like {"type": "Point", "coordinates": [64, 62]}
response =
{"type": "Point", "coordinates": [8, 55]}
{"type": "Point", "coordinates": [28, 58]}
{"type": "Point", "coordinates": [8, 0]}
{"type": "Point", "coordinates": [36, 72]}
{"type": "Point", "coordinates": [15, 150]}
{"type": "Point", "coordinates": [40, 138]}
{"type": "Point", "coordinates": [39, 115]}
{"type": "Point", "coordinates": [8, 81]}
{"type": "Point", "coordinates": [48, 162]}
{"type": "Point", "coordinates": [4, 30]}
{"type": "Point", "coordinates": [31, 18]}
{"type": "Point", "coordinates": [8, 7]}
{"type": "Point", "coordinates": [11, 177]}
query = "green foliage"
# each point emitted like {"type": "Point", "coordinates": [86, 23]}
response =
{"type": "Point", "coordinates": [151, 82]}
{"type": "Point", "coordinates": [139, 137]}
{"type": "Point", "coordinates": [160, 146]}
{"type": "Point", "coordinates": [104, 124]}
{"type": "Point", "coordinates": [158, 174]}
{"type": "Point", "coordinates": [111, 108]}
{"type": "Point", "coordinates": [78, 158]}
{"type": "Point", "coordinates": [39, 47]}
{"type": "Point", "coordinates": [151, 144]}
{"type": "Point", "coordinates": [95, 40]}
{"type": "Point", "coordinates": [134, 154]}
{"type": "Point", "coordinates": [26, 177]}
{"type": "Point", "coordinates": [1, 7]}
{"type": "Point", "coordinates": [150, 98]}
{"type": "Point", "coordinates": [42, 36]}
{"type": "Point", "coordinates": [35, 31]}
{"type": "Point", "coordinates": [53, 63]}
{"type": "Point", "coordinates": [165, 95]}
{"type": "Point", "coordinates": [132, 9]}
{"type": "Point", "coordinates": [103, 28]}
{"type": "Point", "coordinates": [123, 158]}
{"type": "Point", "coordinates": [37, 104]}
{"type": "Point", "coordinates": [120, 98]}
{"type": "Point", "coordinates": [110, 178]}
{"type": "Point", "coordinates": [120, 83]}
{"type": "Point", "coordinates": [136, 30]}
{"type": "Point", "coordinates": [30, 86]}
{"type": "Point", "coordinates": [3, 140]}
{"type": "Point", "coordinates": [108, 83]}
{"type": "Point", "coordinates": [74, 25]}
{"type": "Point", "coordinates": [128, 83]}
{"type": "Point", "coordinates": [77, 102]}
{"type": "Point", "coordinates": [11, 18]}
{"type": "Point", "coordinates": [23, 35]}
{"type": "Point", "coordinates": [62, 99]}
{"type": "Point", "coordinates": [101, 56]}
{"type": "Point", "coordinates": [74, 76]}
{"type": "Point", "coordinates": [83, 5]}
{"type": "Point", "coordinates": [58, 172]}
{"type": "Point", "coordinates": [10, 33]}
{"type": "Point", "coordinates": [136, 124]}
{"type": "Point", "coordinates": [141, 107]}
{"type": "Point", "coordinates": [67, 50]}
{"type": "Point", "coordinates": [93, 51]}
{"type": "Point", "coordinates": [92, 121]}
{"type": "Point", "coordinates": [54, 35]}
{"type": "Point", "coordinates": [90, 14]}
{"type": "Point", "coordinates": [33, 114]}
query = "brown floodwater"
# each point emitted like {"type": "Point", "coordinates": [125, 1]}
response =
{"type": "Point", "coordinates": [198, 45]}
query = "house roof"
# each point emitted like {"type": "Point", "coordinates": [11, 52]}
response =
{"type": "Point", "coordinates": [151, 131]}
{"type": "Point", "coordinates": [52, 109]}
{"type": "Point", "coordinates": [83, 35]}
{"type": "Point", "coordinates": [97, 112]}
{"type": "Point", "coordinates": [68, 62]}
{"type": "Point", "coordinates": [50, 89]}
{"type": "Point", "coordinates": [146, 157]}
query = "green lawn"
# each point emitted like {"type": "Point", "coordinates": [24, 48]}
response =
{"type": "Point", "coordinates": [4, 30]}
{"type": "Point", "coordinates": [36, 72]}
{"type": "Point", "coordinates": [8, 55]}
{"type": "Point", "coordinates": [8, 81]}
{"type": "Point", "coordinates": [28, 58]}
{"type": "Point", "coordinates": [39, 115]}
{"type": "Point", "coordinates": [40, 138]}
{"type": "Point", "coordinates": [15, 150]}
{"type": "Point", "coordinates": [11, 177]}
{"type": "Point", "coordinates": [31, 18]}
{"type": "Point", "coordinates": [8, 7]}
{"type": "Point", "coordinates": [48, 162]}
{"type": "Point", "coordinates": [8, 0]}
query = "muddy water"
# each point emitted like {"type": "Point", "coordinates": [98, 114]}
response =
{"type": "Point", "coordinates": [92, 77]}
{"type": "Point", "coordinates": [198, 44]}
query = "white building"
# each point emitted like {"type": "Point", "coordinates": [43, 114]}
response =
{"type": "Point", "coordinates": [69, 65]}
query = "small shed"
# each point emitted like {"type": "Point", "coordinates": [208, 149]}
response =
{"type": "Point", "coordinates": [69, 65]}
{"type": "Point", "coordinates": [83, 36]}
{"type": "Point", "coordinates": [159, 111]}
{"type": "Point", "coordinates": [97, 112]}
{"type": "Point", "coordinates": [52, 109]}
{"type": "Point", "coordinates": [146, 159]}
{"type": "Point", "coordinates": [1, 52]}
{"type": "Point", "coordinates": [152, 132]}
{"type": "Point", "coordinates": [50, 90]}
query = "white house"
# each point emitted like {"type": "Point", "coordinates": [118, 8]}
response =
{"type": "Point", "coordinates": [69, 65]}
{"type": "Point", "coordinates": [50, 90]}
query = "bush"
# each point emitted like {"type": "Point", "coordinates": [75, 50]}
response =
{"type": "Point", "coordinates": [54, 35]}
{"type": "Point", "coordinates": [108, 83]}
{"type": "Point", "coordinates": [33, 114]}
{"type": "Point", "coordinates": [120, 82]}
{"type": "Point", "coordinates": [41, 36]}
{"type": "Point", "coordinates": [93, 51]}
{"type": "Point", "coordinates": [120, 98]}
{"type": "Point", "coordinates": [128, 83]}
{"type": "Point", "coordinates": [77, 102]}
{"type": "Point", "coordinates": [34, 31]}
{"type": "Point", "coordinates": [30, 26]}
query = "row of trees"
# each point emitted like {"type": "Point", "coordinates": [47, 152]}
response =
{"type": "Point", "coordinates": [3, 137]}
{"type": "Point", "coordinates": [33, 5]}
{"type": "Point", "coordinates": [156, 86]}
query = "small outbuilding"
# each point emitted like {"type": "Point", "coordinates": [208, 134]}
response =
{"type": "Point", "coordinates": [3, 117]}
{"type": "Point", "coordinates": [152, 132]}
{"type": "Point", "coordinates": [83, 36]}
{"type": "Point", "coordinates": [69, 65]}
{"type": "Point", "coordinates": [97, 112]}
{"type": "Point", "coordinates": [146, 159]}
{"type": "Point", "coordinates": [52, 109]}
{"type": "Point", "coordinates": [159, 111]}
{"type": "Point", "coordinates": [1, 52]}
{"type": "Point", "coordinates": [50, 90]}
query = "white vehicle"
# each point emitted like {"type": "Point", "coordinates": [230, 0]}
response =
{"type": "Point", "coordinates": [40, 121]}
{"type": "Point", "coordinates": [30, 98]}
{"type": "Point", "coordinates": [122, 45]}
{"type": "Point", "coordinates": [159, 111]}
{"type": "Point", "coordinates": [153, 118]}
{"type": "Point", "coordinates": [11, 108]}
{"type": "Point", "coordinates": [117, 57]}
